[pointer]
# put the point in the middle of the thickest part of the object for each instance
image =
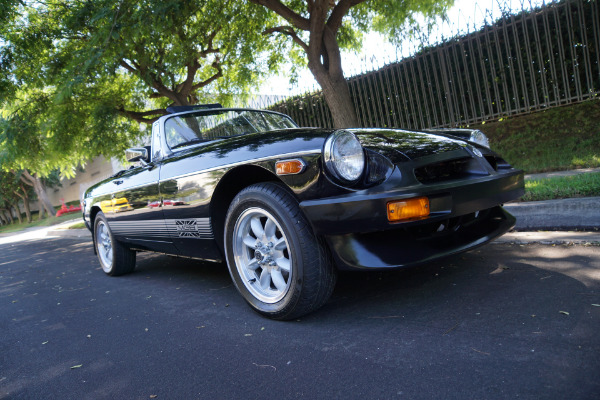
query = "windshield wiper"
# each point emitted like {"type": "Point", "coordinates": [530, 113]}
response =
{"type": "Point", "coordinates": [188, 143]}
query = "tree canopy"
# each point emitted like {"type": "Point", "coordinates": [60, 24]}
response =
{"type": "Point", "coordinates": [320, 28]}
{"type": "Point", "coordinates": [83, 78]}
{"type": "Point", "coordinates": [78, 77]}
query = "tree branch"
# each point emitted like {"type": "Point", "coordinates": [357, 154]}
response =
{"type": "Point", "coordinates": [289, 31]}
{"type": "Point", "coordinates": [339, 11]}
{"type": "Point", "coordinates": [150, 78]}
{"type": "Point", "coordinates": [317, 24]}
{"type": "Point", "coordinates": [209, 48]}
{"type": "Point", "coordinates": [217, 75]}
{"type": "Point", "coordinates": [279, 8]}
{"type": "Point", "coordinates": [128, 67]}
{"type": "Point", "coordinates": [140, 116]}
{"type": "Point", "coordinates": [187, 87]}
{"type": "Point", "coordinates": [25, 177]}
{"type": "Point", "coordinates": [19, 194]}
{"type": "Point", "coordinates": [334, 58]}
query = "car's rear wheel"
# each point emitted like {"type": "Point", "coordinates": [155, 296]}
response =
{"type": "Point", "coordinates": [115, 258]}
{"type": "Point", "coordinates": [275, 260]}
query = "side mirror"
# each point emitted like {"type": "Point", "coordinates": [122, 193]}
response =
{"type": "Point", "coordinates": [137, 154]}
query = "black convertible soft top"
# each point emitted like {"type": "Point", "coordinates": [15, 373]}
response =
{"type": "Point", "coordinates": [178, 109]}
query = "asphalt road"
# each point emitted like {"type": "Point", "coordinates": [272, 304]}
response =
{"type": "Point", "coordinates": [503, 322]}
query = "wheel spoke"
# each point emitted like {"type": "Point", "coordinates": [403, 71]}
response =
{"type": "Point", "coordinates": [257, 228]}
{"type": "Point", "coordinates": [278, 280]}
{"type": "Point", "coordinates": [270, 229]}
{"type": "Point", "coordinates": [249, 241]}
{"type": "Point", "coordinates": [280, 244]}
{"type": "Point", "coordinates": [265, 279]}
{"type": "Point", "coordinates": [283, 263]}
{"type": "Point", "coordinates": [108, 253]}
{"type": "Point", "coordinates": [252, 265]}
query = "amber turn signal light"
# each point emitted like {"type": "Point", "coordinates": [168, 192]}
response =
{"type": "Point", "coordinates": [408, 209]}
{"type": "Point", "coordinates": [289, 167]}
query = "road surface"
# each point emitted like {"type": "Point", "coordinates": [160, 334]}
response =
{"type": "Point", "coordinates": [502, 322]}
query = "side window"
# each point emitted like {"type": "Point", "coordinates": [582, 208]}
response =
{"type": "Point", "coordinates": [156, 142]}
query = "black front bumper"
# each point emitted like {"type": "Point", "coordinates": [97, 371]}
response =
{"type": "Point", "coordinates": [419, 244]}
{"type": "Point", "coordinates": [464, 215]}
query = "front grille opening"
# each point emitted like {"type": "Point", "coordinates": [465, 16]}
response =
{"type": "Point", "coordinates": [497, 162]}
{"type": "Point", "coordinates": [450, 225]}
{"type": "Point", "coordinates": [492, 161]}
{"type": "Point", "coordinates": [449, 170]}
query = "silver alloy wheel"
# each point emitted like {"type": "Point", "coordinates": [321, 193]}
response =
{"type": "Point", "coordinates": [262, 255]}
{"type": "Point", "coordinates": [104, 246]}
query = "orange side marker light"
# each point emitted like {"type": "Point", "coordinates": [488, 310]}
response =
{"type": "Point", "coordinates": [289, 167]}
{"type": "Point", "coordinates": [406, 209]}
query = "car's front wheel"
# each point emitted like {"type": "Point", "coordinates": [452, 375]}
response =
{"type": "Point", "coordinates": [275, 260]}
{"type": "Point", "coordinates": [115, 258]}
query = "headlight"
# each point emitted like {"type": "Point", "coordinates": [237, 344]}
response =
{"type": "Point", "coordinates": [344, 156]}
{"type": "Point", "coordinates": [479, 138]}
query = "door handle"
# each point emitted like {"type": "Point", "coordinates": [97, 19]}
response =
{"type": "Point", "coordinates": [118, 182]}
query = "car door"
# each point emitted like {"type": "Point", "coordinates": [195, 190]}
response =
{"type": "Point", "coordinates": [186, 191]}
{"type": "Point", "coordinates": [135, 210]}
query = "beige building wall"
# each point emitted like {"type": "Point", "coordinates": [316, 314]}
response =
{"type": "Point", "coordinates": [72, 189]}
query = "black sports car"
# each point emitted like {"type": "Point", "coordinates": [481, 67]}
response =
{"type": "Point", "coordinates": [286, 207]}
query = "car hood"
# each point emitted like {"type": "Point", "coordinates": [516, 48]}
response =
{"type": "Point", "coordinates": [400, 145]}
{"type": "Point", "coordinates": [396, 144]}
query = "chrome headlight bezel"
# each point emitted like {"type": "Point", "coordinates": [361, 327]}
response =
{"type": "Point", "coordinates": [344, 157]}
{"type": "Point", "coordinates": [480, 138]}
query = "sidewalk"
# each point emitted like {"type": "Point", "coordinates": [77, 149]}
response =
{"type": "Point", "coordinates": [564, 214]}
{"type": "Point", "coordinates": [545, 175]}
{"type": "Point", "coordinates": [556, 218]}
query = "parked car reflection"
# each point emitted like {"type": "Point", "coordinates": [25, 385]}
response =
{"type": "Point", "coordinates": [116, 205]}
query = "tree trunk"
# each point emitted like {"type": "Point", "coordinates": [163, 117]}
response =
{"type": "Point", "coordinates": [25, 197]}
{"type": "Point", "coordinates": [337, 96]}
{"type": "Point", "coordinates": [18, 211]}
{"type": "Point", "coordinates": [41, 213]}
{"type": "Point", "coordinates": [40, 190]}
{"type": "Point", "coordinates": [325, 63]}
{"type": "Point", "coordinates": [27, 209]}
{"type": "Point", "coordinates": [322, 50]}
{"type": "Point", "coordinates": [8, 215]}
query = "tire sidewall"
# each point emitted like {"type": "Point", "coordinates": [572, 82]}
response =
{"type": "Point", "coordinates": [253, 197]}
{"type": "Point", "coordinates": [101, 218]}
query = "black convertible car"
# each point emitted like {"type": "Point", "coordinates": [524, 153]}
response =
{"type": "Point", "coordinates": [286, 207]}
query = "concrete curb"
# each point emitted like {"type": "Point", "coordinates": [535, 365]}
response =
{"type": "Point", "coordinates": [70, 233]}
{"type": "Point", "coordinates": [580, 214]}
{"type": "Point", "coordinates": [559, 174]}
{"type": "Point", "coordinates": [581, 238]}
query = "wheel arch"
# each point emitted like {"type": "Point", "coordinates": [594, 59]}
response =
{"type": "Point", "coordinates": [228, 187]}
{"type": "Point", "coordinates": [93, 213]}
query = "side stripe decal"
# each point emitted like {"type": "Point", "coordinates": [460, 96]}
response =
{"type": "Point", "coordinates": [193, 228]}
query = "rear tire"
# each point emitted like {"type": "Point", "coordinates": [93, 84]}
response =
{"type": "Point", "coordinates": [115, 258]}
{"type": "Point", "coordinates": [281, 268]}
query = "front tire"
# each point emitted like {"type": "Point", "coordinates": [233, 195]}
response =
{"type": "Point", "coordinates": [280, 267]}
{"type": "Point", "coordinates": [115, 258]}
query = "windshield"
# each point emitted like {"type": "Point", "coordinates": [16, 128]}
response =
{"type": "Point", "coordinates": [186, 130]}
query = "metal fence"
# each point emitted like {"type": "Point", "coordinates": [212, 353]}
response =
{"type": "Point", "coordinates": [532, 60]}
